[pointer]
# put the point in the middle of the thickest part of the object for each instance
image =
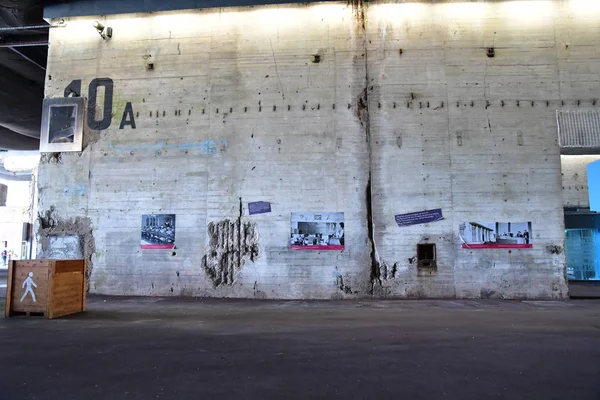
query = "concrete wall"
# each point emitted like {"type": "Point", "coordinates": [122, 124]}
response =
{"type": "Point", "coordinates": [372, 111]}
{"type": "Point", "coordinates": [214, 132]}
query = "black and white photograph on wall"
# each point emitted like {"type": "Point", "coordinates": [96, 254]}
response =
{"type": "Point", "coordinates": [62, 124]}
{"type": "Point", "coordinates": [158, 231]}
{"type": "Point", "coordinates": [496, 235]}
{"type": "Point", "coordinates": [317, 231]}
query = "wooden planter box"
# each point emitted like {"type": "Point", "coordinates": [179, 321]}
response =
{"type": "Point", "coordinates": [51, 288]}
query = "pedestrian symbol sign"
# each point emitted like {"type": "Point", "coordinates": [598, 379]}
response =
{"type": "Point", "coordinates": [27, 285]}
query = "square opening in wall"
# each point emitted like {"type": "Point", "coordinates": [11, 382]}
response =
{"type": "Point", "coordinates": [426, 255]}
{"type": "Point", "coordinates": [64, 247]}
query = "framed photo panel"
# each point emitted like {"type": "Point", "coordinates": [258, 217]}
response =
{"type": "Point", "coordinates": [496, 235]}
{"type": "Point", "coordinates": [158, 231]}
{"type": "Point", "coordinates": [62, 124]}
{"type": "Point", "coordinates": [317, 231]}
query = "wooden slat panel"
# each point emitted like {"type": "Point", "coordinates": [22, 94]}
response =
{"type": "Point", "coordinates": [69, 266]}
{"type": "Point", "coordinates": [9, 286]}
{"type": "Point", "coordinates": [83, 287]}
{"type": "Point", "coordinates": [68, 295]}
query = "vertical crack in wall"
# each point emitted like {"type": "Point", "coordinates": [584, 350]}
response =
{"type": "Point", "coordinates": [375, 264]}
{"type": "Point", "coordinates": [230, 243]}
{"type": "Point", "coordinates": [52, 229]}
{"type": "Point", "coordinates": [362, 112]}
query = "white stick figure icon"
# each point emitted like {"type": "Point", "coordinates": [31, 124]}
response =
{"type": "Point", "coordinates": [28, 282]}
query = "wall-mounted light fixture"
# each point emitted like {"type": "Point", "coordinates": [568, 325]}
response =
{"type": "Point", "coordinates": [105, 32]}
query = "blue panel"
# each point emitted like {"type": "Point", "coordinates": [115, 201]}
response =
{"type": "Point", "coordinates": [593, 173]}
{"type": "Point", "coordinates": [259, 207]}
{"type": "Point", "coordinates": [420, 217]}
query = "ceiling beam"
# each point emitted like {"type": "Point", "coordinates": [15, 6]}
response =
{"type": "Point", "coordinates": [107, 7]}
{"type": "Point", "coordinates": [10, 140]}
{"type": "Point", "coordinates": [27, 58]}
{"type": "Point", "coordinates": [24, 41]}
{"type": "Point", "coordinates": [25, 44]}
{"type": "Point", "coordinates": [24, 28]}
{"type": "Point", "coordinates": [20, 103]}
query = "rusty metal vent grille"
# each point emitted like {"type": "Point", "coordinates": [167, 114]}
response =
{"type": "Point", "coordinates": [578, 129]}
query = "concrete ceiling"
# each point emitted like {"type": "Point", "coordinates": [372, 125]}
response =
{"type": "Point", "coordinates": [23, 55]}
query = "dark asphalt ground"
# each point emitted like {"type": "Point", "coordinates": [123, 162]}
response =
{"type": "Point", "coordinates": [148, 348]}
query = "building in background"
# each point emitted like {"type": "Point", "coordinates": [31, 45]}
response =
{"type": "Point", "coordinates": [370, 110]}
{"type": "Point", "coordinates": [17, 191]}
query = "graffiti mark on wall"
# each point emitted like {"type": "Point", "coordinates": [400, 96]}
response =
{"type": "Point", "coordinates": [206, 147]}
{"type": "Point", "coordinates": [75, 190]}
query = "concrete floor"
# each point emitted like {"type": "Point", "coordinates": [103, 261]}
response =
{"type": "Point", "coordinates": [144, 348]}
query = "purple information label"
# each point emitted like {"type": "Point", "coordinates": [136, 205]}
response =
{"type": "Point", "coordinates": [259, 207]}
{"type": "Point", "coordinates": [420, 217]}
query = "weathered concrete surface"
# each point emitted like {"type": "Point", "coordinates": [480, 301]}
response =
{"type": "Point", "coordinates": [370, 110]}
{"type": "Point", "coordinates": [237, 108]}
{"type": "Point", "coordinates": [155, 348]}
{"type": "Point", "coordinates": [473, 135]}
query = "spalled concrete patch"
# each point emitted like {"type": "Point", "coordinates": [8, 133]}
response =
{"type": "Point", "coordinates": [230, 242]}
{"type": "Point", "coordinates": [554, 249]}
{"type": "Point", "coordinates": [386, 271]}
{"type": "Point", "coordinates": [490, 294]}
{"type": "Point", "coordinates": [51, 158]}
{"type": "Point", "coordinates": [343, 287]}
{"type": "Point", "coordinates": [66, 238]}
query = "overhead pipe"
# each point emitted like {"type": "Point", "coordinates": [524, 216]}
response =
{"type": "Point", "coordinates": [40, 40]}
{"type": "Point", "coordinates": [31, 27]}
{"type": "Point", "coordinates": [24, 43]}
